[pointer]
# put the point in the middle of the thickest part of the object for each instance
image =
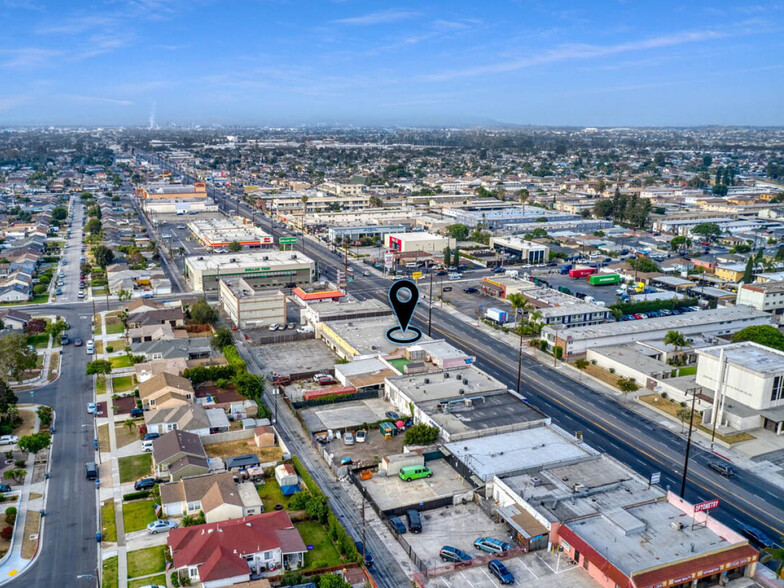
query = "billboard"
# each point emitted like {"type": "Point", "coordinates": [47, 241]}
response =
{"type": "Point", "coordinates": [707, 505]}
{"type": "Point", "coordinates": [389, 260]}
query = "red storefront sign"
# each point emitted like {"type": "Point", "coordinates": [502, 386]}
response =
{"type": "Point", "coordinates": [707, 505]}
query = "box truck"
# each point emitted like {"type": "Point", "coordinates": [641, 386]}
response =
{"type": "Point", "coordinates": [497, 315]}
{"type": "Point", "coordinates": [604, 279]}
{"type": "Point", "coordinates": [581, 272]}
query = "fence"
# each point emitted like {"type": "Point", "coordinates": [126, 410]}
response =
{"type": "Point", "coordinates": [335, 399]}
{"type": "Point", "coordinates": [227, 436]}
{"type": "Point", "coordinates": [265, 337]}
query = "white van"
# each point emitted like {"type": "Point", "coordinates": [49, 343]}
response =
{"type": "Point", "coordinates": [455, 276]}
{"type": "Point", "coordinates": [147, 445]}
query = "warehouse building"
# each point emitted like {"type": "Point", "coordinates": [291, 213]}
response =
{"type": "Point", "coordinates": [525, 251]}
{"type": "Point", "coordinates": [502, 217]}
{"type": "Point", "coordinates": [248, 306]}
{"type": "Point", "coordinates": [768, 296]}
{"type": "Point", "coordinates": [197, 191]}
{"type": "Point", "coordinates": [261, 269]}
{"type": "Point", "coordinates": [337, 234]}
{"type": "Point", "coordinates": [425, 242]}
{"type": "Point", "coordinates": [720, 321]}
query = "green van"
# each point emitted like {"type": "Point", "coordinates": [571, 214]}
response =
{"type": "Point", "coordinates": [409, 473]}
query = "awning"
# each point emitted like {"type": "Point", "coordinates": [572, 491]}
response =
{"type": "Point", "coordinates": [774, 414]}
{"type": "Point", "coordinates": [694, 569]}
{"type": "Point", "coordinates": [522, 521]}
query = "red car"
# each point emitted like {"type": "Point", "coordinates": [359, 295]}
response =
{"type": "Point", "coordinates": [639, 317]}
{"type": "Point", "coordinates": [279, 380]}
{"type": "Point", "coordinates": [327, 381]}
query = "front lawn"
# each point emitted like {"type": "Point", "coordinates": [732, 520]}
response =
{"type": "Point", "coordinates": [149, 581]}
{"type": "Point", "coordinates": [122, 384]}
{"type": "Point", "coordinates": [108, 523]}
{"type": "Point", "coordinates": [134, 467]}
{"type": "Point", "coordinates": [138, 514]}
{"type": "Point", "coordinates": [324, 553]}
{"type": "Point", "coordinates": [144, 562]}
{"type": "Point", "coordinates": [100, 384]}
{"type": "Point", "coordinates": [120, 361]}
{"type": "Point", "coordinates": [110, 579]}
{"type": "Point", "coordinates": [40, 341]}
{"type": "Point", "coordinates": [115, 329]}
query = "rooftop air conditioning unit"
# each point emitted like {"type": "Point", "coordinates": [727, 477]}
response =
{"type": "Point", "coordinates": [233, 260]}
{"type": "Point", "coordinates": [536, 481]}
{"type": "Point", "coordinates": [677, 525]}
{"type": "Point", "coordinates": [294, 256]}
{"type": "Point", "coordinates": [468, 402]}
{"type": "Point", "coordinates": [265, 258]}
{"type": "Point", "coordinates": [446, 375]}
{"type": "Point", "coordinates": [461, 391]}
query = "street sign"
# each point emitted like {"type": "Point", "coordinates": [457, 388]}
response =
{"type": "Point", "coordinates": [288, 240]}
{"type": "Point", "coordinates": [416, 275]}
{"type": "Point", "coordinates": [389, 260]}
{"type": "Point", "coordinates": [707, 505]}
{"type": "Point", "coordinates": [655, 478]}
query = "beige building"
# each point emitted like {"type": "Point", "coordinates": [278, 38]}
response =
{"type": "Point", "coordinates": [342, 189]}
{"type": "Point", "coordinates": [248, 306]}
{"type": "Point", "coordinates": [426, 242]}
{"type": "Point", "coordinates": [217, 495]}
{"type": "Point", "coordinates": [165, 390]}
{"type": "Point", "coordinates": [268, 269]}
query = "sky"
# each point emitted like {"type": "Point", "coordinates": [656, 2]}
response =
{"type": "Point", "coordinates": [366, 62]}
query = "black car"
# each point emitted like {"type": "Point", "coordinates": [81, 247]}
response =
{"type": "Point", "coordinates": [397, 524]}
{"type": "Point", "coordinates": [758, 537]}
{"type": "Point", "coordinates": [441, 272]}
{"type": "Point", "coordinates": [368, 556]}
{"type": "Point", "coordinates": [144, 484]}
{"type": "Point", "coordinates": [5, 488]}
{"type": "Point", "coordinates": [151, 436]}
{"type": "Point", "coordinates": [137, 412]}
{"type": "Point", "coordinates": [470, 290]}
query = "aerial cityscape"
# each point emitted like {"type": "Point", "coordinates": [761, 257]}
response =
{"type": "Point", "coordinates": [368, 295]}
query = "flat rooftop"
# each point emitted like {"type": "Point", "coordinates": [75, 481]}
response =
{"type": "Point", "coordinates": [446, 384]}
{"type": "Point", "coordinates": [590, 486]}
{"type": "Point", "coordinates": [706, 318]}
{"type": "Point", "coordinates": [752, 356]}
{"type": "Point", "coordinates": [571, 309]}
{"type": "Point", "coordinates": [519, 451]}
{"type": "Point", "coordinates": [250, 259]}
{"type": "Point", "coordinates": [480, 413]}
{"type": "Point", "coordinates": [441, 350]}
{"type": "Point", "coordinates": [416, 236]}
{"type": "Point", "coordinates": [641, 537]}
{"type": "Point", "coordinates": [366, 336]}
{"type": "Point", "coordinates": [328, 310]}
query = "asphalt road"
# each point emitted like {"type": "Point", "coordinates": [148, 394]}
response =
{"type": "Point", "coordinates": [605, 422]}
{"type": "Point", "coordinates": [68, 549]}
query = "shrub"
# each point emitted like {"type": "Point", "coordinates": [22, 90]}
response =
{"type": "Point", "coordinates": [20, 463]}
{"type": "Point", "coordinates": [136, 495]}
{"type": "Point", "coordinates": [612, 370]}
{"type": "Point", "coordinates": [7, 533]}
{"type": "Point", "coordinates": [664, 395]}
{"type": "Point", "coordinates": [109, 348]}
{"type": "Point", "coordinates": [421, 434]}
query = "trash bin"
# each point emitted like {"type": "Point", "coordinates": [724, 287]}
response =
{"type": "Point", "coordinates": [97, 484]}
{"type": "Point", "coordinates": [46, 475]}
{"type": "Point", "coordinates": [98, 537]}
{"type": "Point", "coordinates": [42, 512]}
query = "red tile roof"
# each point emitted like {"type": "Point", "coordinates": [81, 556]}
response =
{"type": "Point", "coordinates": [219, 547]}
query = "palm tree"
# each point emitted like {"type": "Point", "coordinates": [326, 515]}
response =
{"type": "Point", "coordinates": [304, 203]}
{"type": "Point", "coordinates": [523, 195]}
{"type": "Point", "coordinates": [129, 424]}
{"type": "Point", "coordinates": [519, 303]}
{"type": "Point", "coordinates": [677, 340]}
{"type": "Point", "coordinates": [775, 554]}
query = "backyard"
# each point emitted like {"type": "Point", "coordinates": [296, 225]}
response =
{"type": "Point", "coordinates": [243, 447]}
{"type": "Point", "coordinates": [133, 467]}
{"type": "Point", "coordinates": [271, 495]}
{"type": "Point", "coordinates": [324, 553]}
{"type": "Point", "coordinates": [138, 514]}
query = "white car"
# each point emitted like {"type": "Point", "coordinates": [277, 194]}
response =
{"type": "Point", "coordinates": [273, 327]}
{"type": "Point", "coordinates": [361, 436]}
{"type": "Point", "coordinates": [90, 349]}
{"type": "Point", "coordinates": [92, 408]}
{"type": "Point", "coordinates": [8, 439]}
{"type": "Point", "coordinates": [80, 294]}
{"type": "Point", "coordinates": [161, 526]}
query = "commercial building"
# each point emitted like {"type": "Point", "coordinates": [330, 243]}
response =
{"type": "Point", "coordinates": [338, 234]}
{"type": "Point", "coordinates": [197, 191]}
{"type": "Point", "coordinates": [353, 339]}
{"type": "Point", "coordinates": [248, 306]}
{"type": "Point", "coordinates": [720, 321]}
{"type": "Point", "coordinates": [577, 314]}
{"type": "Point", "coordinates": [525, 251]}
{"type": "Point", "coordinates": [222, 231]}
{"type": "Point", "coordinates": [500, 216]}
{"type": "Point", "coordinates": [270, 269]}
{"type": "Point", "coordinates": [752, 377]}
{"type": "Point", "coordinates": [425, 242]}
{"type": "Point", "coordinates": [768, 296]}
{"type": "Point", "coordinates": [342, 189]}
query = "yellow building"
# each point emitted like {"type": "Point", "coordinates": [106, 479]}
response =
{"type": "Point", "coordinates": [730, 273]}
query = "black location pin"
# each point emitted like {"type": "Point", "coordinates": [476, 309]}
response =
{"type": "Point", "coordinates": [403, 334]}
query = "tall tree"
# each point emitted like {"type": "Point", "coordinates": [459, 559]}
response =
{"type": "Point", "coordinates": [15, 356]}
{"type": "Point", "coordinates": [103, 255]}
{"type": "Point", "coordinates": [748, 273]}
{"type": "Point", "coordinates": [776, 555]}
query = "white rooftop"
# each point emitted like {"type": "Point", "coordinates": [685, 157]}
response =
{"type": "Point", "coordinates": [238, 261]}
{"type": "Point", "coordinates": [749, 355]}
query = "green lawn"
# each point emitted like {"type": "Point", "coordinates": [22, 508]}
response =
{"type": "Point", "coordinates": [40, 299]}
{"type": "Point", "coordinates": [115, 329]}
{"type": "Point", "coordinates": [399, 363]}
{"type": "Point", "coordinates": [144, 562]}
{"type": "Point", "coordinates": [684, 371]}
{"type": "Point", "coordinates": [100, 384]}
{"type": "Point", "coordinates": [110, 579]}
{"type": "Point", "coordinates": [120, 361]}
{"type": "Point", "coordinates": [38, 341]}
{"type": "Point", "coordinates": [137, 515]}
{"type": "Point", "coordinates": [271, 495]}
{"type": "Point", "coordinates": [108, 523]}
{"type": "Point", "coordinates": [324, 553]}
{"type": "Point", "coordinates": [133, 467]}
{"type": "Point", "coordinates": [149, 581]}
{"type": "Point", "coordinates": [122, 384]}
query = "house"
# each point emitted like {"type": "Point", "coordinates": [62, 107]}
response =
{"type": "Point", "coordinates": [178, 454]}
{"type": "Point", "coordinates": [165, 390]}
{"type": "Point", "coordinates": [171, 316]}
{"type": "Point", "coordinates": [148, 369]}
{"type": "Point", "coordinates": [14, 293]}
{"type": "Point", "coordinates": [192, 348]}
{"type": "Point", "coordinates": [140, 305]}
{"type": "Point", "coordinates": [150, 333]}
{"type": "Point", "coordinates": [186, 417]}
{"type": "Point", "coordinates": [217, 495]}
{"type": "Point", "coordinates": [226, 553]}
{"type": "Point", "coordinates": [14, 319]}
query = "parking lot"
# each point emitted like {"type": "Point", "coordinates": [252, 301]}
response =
{"type": "Point", "coordinates": [344, 415]}
{"type": "Point", "coordinates": [390, 493]}
{"type": "Point", "coordinates": [471, 304]}
{"type": "Point", "coordinates": [374, 446]}
{"type": "Point", "coordinates": [540, 569]}
{"type": "Point", "coordinates": [458, 526]}
{"type": "Point", "coordinates": [604, 293]}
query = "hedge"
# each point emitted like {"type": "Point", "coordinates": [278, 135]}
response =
{"type": "Point", "coordinates": [233, 357]}
{"type": "Point", "coordinates": [136, 495]}
{"type": "Point", "coordinates": [653, 305]}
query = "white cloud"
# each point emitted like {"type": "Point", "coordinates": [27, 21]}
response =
{"type": "Point", "coordinates": [97, 100]}
{"type": "Point", "coordinates": [29, 57]}
{"type": "Point", "coordinates": [374, 18]}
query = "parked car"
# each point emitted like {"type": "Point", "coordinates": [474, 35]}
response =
{"type": "Point", "coordinates": [92, 408]}
{"type": "Point", "coordinates": [273, 327]}
{"type": "Point", "coordinates": [361, 436]}
{"type": "Point", "coordinates": [441, 273]}
{"type": "Point", "coordinates": [289, 325]}
{"type": "Point", "coordinates": [397, 524]}
{"type": "Point", "coordinates": [414, 521]}
{"type": "Point", "coordinates": [278, 380]}
{"type": "Point", "coordinates": [150, 436]}
{"type": "Point", "coordinates": [491, 545]}
{"type": "Point", "coordinates": [137, 412]}
{"type": "Point", "coordinates": [64, 340]}
{"type": "Point", "coordinates": [414, 472]}
{"type": "Point", "coordinates": [90, 349]}
{"type": "Point", "coordinates": [724, 469]}
{"type": "Point", "coordinates": [80, 294]}
{"type": "Point", "coordinates": [77, 342]}
{"type": "Point", "coordinates": [498, 270]}
{"type": "Point", "coordinates": [327, 381]}
{"type": "Point", "coordinates": [161, 526]}
{"type": "Point", "coordinates": [5, 488]}
{"type": "Point", "coordinates": [500, 571]}
{"type": "Point", "coordinates": [454, 555]}
{"type": "Point", "coordinates": [470, 290]}
{"type": "Point", "coordinates": [391, 414]}
{"type": "Point", "coordinates": [758, 536]}
{"type": "Point", "coordinates": [368, 556]}
{"type": "Point", "coordinates": [446, 289]}
{"type": "Point", "coordinates": [144, 484]}
{"type": "Point", "coordinates": [348, 438]}
{"type": "Point", "coordinates": [8, 439]}
{"type": "Point", "coordinates": [59, 291]}
{"type": "Point", "coordinates": [638, 317]}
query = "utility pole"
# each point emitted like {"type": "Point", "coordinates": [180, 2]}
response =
{"type": "Point", "coordinates": [520, 357]}
{"type": "Point", "coordinates": [430, 306]}
{"type": "Point", "coordinates": [364, 547]}
{"type": "Point", "coordinates": [688, 440]}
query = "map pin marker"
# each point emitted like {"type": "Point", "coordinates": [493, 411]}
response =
{"type": "Point", "coordinates": [403, 334]}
